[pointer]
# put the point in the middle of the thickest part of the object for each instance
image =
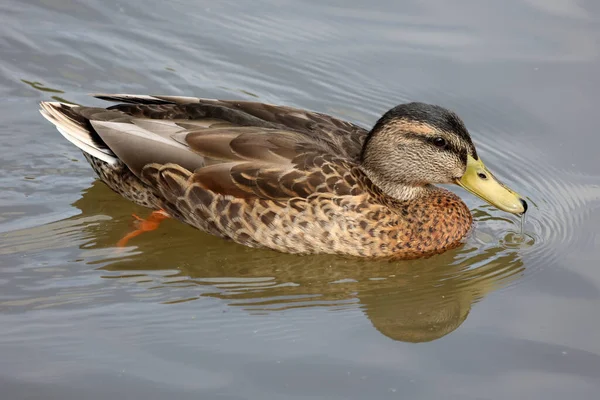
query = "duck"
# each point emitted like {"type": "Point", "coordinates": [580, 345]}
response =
{"type": "Point", "coordinates": [288, 179]}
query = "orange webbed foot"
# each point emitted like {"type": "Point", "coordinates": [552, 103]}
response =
{"type": "Point", "coordinates": [144, 225]}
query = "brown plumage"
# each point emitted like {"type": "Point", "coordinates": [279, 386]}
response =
{"type": "Point", "coordinates": [279, 177]}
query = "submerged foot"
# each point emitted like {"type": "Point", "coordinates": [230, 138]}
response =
{"type": "Point", "coordinates": [144, 225]}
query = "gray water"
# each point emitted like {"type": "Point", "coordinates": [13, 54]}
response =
{"type": "Point", "coordinates": [181, 314]}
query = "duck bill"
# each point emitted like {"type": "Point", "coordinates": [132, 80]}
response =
{"type": "Point", "coordinates": [478, 180]}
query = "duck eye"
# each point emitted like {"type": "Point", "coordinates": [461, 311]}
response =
{"type": "Point", "coordinates": [439, 142]}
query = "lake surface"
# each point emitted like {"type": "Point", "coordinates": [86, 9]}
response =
{"type": "Point", "coordinates": [180, 314]}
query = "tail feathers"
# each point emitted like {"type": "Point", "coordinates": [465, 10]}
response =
{"type": "Point", "coordinates": [76, 129]}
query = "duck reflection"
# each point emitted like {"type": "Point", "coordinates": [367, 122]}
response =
{"type": "Point", "coordinates": [411, 301]}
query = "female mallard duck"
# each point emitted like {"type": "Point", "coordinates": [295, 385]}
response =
{"type": "Point", "coordinates": [288, 179]}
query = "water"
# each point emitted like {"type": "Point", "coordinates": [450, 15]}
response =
{"type": "Point", "coordinates": [511, 314]}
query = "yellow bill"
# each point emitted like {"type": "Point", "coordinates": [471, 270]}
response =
{"type": "Point", "coordinates": [479, 181]}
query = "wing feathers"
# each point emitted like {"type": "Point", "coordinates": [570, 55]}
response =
{"type": "Point", "coordinates": [232, 148]}
{"type": "Point", "coordinates": [138, 147]}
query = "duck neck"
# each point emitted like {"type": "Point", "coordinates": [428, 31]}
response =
{"type": "Point", "coordinates": [402, 193]}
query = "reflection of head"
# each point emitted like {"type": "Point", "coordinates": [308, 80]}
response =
{"type": "Point", "coordinates": [399, 317]}
{"type": "Point", "coordinates": [439, 300]}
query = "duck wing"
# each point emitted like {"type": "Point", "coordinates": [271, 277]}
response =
{"type": "Point", "coordinates": [342, 137]}
{"type": "Point", "coordinates": [230, 148]}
